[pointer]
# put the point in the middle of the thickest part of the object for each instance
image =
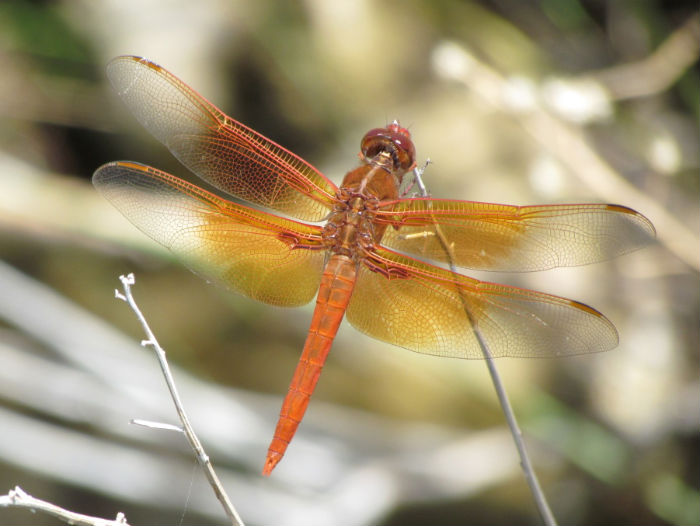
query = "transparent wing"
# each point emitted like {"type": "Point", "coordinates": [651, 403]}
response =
{"type": "Point", "coordinates": [223, 152]}
{"type": "Point", "coordinates": [431, 310]}
{"type": "Point", "coordinates": [489, 236]}
{"type": "Point", "coordinates": [267, 258]}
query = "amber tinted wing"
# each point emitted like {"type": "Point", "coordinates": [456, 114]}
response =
{"type": "Point", "coordinates": [510, 238]}
{"type": "Point", "coordinates": [421, 307]}
{"type": "Point", "coordinates": [223, 152]}
{"type": "Point", "coordinates": [267, 258]}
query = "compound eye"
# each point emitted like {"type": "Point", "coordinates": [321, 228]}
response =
{"type": "Point", "coordinates": [405, 150]}
{"type": "Point", "coordinates": [394, 140]}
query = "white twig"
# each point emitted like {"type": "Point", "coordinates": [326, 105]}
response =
{"type": "Point", "coordinates": [530, 475]}
{"type": "Point", "coordinates": [156, 425]}
{"type": "Point", "coordinates": [18, 498]}
{"type": "Point", "coordinates": [202, 457]}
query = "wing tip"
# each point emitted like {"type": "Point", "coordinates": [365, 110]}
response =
{"type": "Point", "coordinates": [135, 58]}
{"type": "Point", "coordinates": [642, 220]}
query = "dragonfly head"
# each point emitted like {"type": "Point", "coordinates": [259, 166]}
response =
{"type": "Point", "coordinates": [393, 140]}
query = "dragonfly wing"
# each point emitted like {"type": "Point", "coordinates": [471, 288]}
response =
{"type": "Point", "coordinates": [431, 310]}
{"type": "Point", "coordinates": [267, 258]}
{"type": "Point", "coordinates": [489, 236]}
{"type": "Point", "coordinates": [220, 150]}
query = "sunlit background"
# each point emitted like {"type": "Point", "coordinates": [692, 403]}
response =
{"type": "Point", "coordinates": [549, 101]}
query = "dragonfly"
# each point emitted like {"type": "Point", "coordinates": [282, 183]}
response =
{"type": "Point", "coordinates": [362, 249]}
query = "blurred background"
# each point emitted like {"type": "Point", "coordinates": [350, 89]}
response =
{"type": "Point", "coordinates": [538, 102]}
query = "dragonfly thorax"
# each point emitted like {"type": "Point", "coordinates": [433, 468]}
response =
{"type": "Point", "coordinates": [349, 230]}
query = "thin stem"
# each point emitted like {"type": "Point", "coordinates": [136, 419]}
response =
{"type": "Point", "coordinates": [202, 457]}
{"type": "Point", "coordinates": [530, 476]}
{"type": "Point", "coordinates": [18, 498]}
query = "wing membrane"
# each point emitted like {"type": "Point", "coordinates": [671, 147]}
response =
{"type": "Point", "coordinates": [422, 307]}
{"type": "Point", "coordinates": [489, 236]}
{"type": "Point", "coordinates": [267, 258]}
{"type": "Point", "coordinates": [223, 152]}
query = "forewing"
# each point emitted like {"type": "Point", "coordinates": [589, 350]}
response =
{"type": "Point", "coordinates": [223, 152]}
{"type": "Point", "coordinates": [489, 236]}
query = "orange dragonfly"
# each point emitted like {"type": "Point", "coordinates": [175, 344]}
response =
{"type": "Point", "coordinates": [356, 259]}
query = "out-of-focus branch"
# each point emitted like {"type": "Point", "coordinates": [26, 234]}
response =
{"type": "Point", "coordinates": [187, 429]}
{"type": "Point", "coordinates": [366, 457]}
{"type": "Point", "coordinates": [565, 141]}
{"type": "Point", "coordinates": [18, 498]}
{"type": "Point", "coordinates": [659, 70]}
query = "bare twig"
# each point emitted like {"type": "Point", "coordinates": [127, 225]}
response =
{"type": "Point", "coordinates": [18, 498]}
{"type": "Point", "coordinates": [157, 425]}
{"type": "Point", "coordinates": [530, 475]}
{"type": "Point", "coordinates": [202, 457]}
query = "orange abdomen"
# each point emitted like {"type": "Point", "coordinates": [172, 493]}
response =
{"type": "Point", "coordinates": [334, 294]}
